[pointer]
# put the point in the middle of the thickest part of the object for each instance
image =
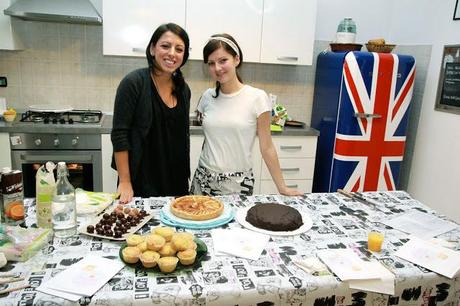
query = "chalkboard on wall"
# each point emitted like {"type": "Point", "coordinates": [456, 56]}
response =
{"type": "Point", "coordinates": [448, 95]}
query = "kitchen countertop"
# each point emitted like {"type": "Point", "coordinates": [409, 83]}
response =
{"type": "Point", "coordinates": [106, 127]}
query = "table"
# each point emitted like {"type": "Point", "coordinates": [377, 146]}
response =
{"type": "Point", "coordinates": [273, 279]}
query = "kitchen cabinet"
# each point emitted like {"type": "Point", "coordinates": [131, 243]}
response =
{"type": "Point", "coordinates": [128, 25]}
{"type": "Point", "coordinates": [196, 143]}
{"type": "Point", "coordinates": [268, 31]}
{"type": "Point", "coordinates": [288, 32]}
{"type": "Point", "coordinates": [9, 38]}
{"type": "Point", "coordinates": [5, 152]}
{"type": "Point", "coordinates": [240, 18]}
{"type": "Point", "coordinates": [109, 176]}
{"type": "Point", "coordinates": [296, 155]}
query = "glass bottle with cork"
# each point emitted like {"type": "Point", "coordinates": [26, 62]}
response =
{"type": "Point", "coordinates": [63, 206]}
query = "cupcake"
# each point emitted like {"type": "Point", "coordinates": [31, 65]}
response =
{"type": "Point", "coordinates": [131, 254]}
{"type": "Point", "coordinates": [133, 240]}
{"type": "Point", "coordinates": [192, 246]}
{"type": "Point", "coordinates": [165, 232]}
{"type": "Point", "coordinates": [142, 246]}
{"type": "Point", "coordinates": [167, 250]}
{"type": "Point", "coordinates": [167, 264]}
{"type": "Point", "coordinates": [181, 241]}
{"type": "Point", "coordinates": [187, 257]}
{"type": "Point", "coordinates": [155, 242]}
{"type": "Point", "coordinates": [149, 259]}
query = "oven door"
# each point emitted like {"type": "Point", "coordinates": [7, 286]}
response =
{"type": "Point", "coordinates": [85, 167]}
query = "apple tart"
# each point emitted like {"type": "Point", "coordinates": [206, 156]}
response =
{"type": "Point", "coordinates": [197, 208]}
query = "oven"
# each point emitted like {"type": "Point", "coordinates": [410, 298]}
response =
{"type": "Point", "coordinates": [70, 142]}
{"type": "Point", "coordinates": [81, 153]}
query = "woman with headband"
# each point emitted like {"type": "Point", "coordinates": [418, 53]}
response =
{"type": "Point", "coordinates": [232, 114]}
{"type": "Point", "coordinates": [150, 133]}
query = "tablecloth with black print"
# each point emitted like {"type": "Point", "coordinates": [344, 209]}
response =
{"type": "Point", "coordinates": [338, 222]}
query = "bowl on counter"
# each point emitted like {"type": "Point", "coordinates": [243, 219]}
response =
{"type": "Point", "coordinates": [9, 117]}
{"type": "Point", "coordinates": [383, 48]}
{"type": "Point", "coordinates": [337, 47]}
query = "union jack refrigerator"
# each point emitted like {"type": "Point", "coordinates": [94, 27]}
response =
{"type": "Point", "coordinates": [360, 107]}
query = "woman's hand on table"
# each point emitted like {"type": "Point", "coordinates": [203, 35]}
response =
{"type": "Point", "coordinates": [289, 191]}
{"type": "Point", "coordinates": [125, 190]}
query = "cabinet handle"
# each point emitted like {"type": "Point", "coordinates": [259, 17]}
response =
{"type": "Point", "coordinates": [138, 50]}
{"type": "Point", "coordinates": [364, 115]}
{"type": "Point", "coordinates": [292, 186]}
{"type": "Point", "coordinates": [288, 58]}
{"type": "Point", "coordinates": [291, 147]}
{"type": "Point", "coordinates": [290, 169]}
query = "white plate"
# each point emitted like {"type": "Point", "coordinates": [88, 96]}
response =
{"type": "Point", "coordinates": [241, 218]}
{"type": "Point", "coordinates": [227, 214]}
{"type": "Point", "coordinates": [50, 108]}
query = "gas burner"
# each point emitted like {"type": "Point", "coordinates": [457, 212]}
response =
{"type": "Point", "coordinates": [69, 117]}
{"type": "Point", "coordinates": [37, 118]}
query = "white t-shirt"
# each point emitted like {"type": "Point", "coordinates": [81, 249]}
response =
{"type": "Point", "coordinates": [230, 126]}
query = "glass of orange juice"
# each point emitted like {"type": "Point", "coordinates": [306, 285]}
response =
{"type": "Point", "coordinates": [375, 241]}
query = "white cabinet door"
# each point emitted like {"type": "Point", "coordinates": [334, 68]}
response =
{"type": "Point", "coordinates": [288, 32]}
{"type": "Point", "coordinates": [5, 152]}
{"type": "Point", "coordinates": [109, 176]}
{"type": "Point", "coordinates": [196, 143]}
{"type": "Point", "coordinates": [128, 25]}
{"type": "Point", "coordinates": [269, 187]}
{"type": "Point", "coordinates": [240, 18]}
{"type": "Point", "coordinates": [9, 40]}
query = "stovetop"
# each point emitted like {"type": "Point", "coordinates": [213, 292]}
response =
{"type": "Point", "coordinates": [73, 117]}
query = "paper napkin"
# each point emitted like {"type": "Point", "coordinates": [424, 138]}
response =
{"type": "Point", "coordinates": [431, 256]}
{"type": "Point", "coordinates": [90, 273]}
{"type": "Point", "coordinates": [347, 265]}
{"type": "Point", "coordinates": [239, 242]}
{"type": "Point", "coordinates": [385, 284]}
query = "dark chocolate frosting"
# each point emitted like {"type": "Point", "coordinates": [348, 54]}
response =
{"type": "Point", "coordinates": [274, 217]}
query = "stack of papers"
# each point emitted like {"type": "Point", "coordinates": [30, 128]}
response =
{"type": "Point", "coordinates": [83, 278]}
{"type": "Point", "coordinates": [421, 224]}
{"type": "Point", "coordinates": [360, 274]}
{"type": "Point", "coordinates": [239, 242]}
{"type": "Point", "coordinates": [431, 256]}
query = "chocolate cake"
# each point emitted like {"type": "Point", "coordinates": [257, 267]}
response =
{"type": "Point", "coordinates": [274, 217]}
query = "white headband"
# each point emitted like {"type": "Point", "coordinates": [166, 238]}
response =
{"type": "Point", "coordinates": [227, 41]}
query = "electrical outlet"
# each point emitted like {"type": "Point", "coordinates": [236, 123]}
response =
{"type": "Point", "coordinates": [3, 81]}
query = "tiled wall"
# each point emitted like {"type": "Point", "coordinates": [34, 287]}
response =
{"type": "Point", "coordinates": [62, 64]}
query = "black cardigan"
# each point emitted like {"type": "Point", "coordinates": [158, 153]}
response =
{"type": "Point", "coordinates": [134, 115]}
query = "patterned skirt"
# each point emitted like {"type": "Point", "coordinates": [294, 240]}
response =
{"type": "Point", "coordinates": [207, 182]}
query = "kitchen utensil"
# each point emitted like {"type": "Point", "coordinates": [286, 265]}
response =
{"type": "Point", "coordinates": [14, 289]}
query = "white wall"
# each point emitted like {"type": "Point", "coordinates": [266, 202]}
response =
{"type": "Point", "coordinates": [372, 18]}
{"type": "Point", "coordinates": [435, 175]}
{"type": "Point", "coordinates": [412, 21]}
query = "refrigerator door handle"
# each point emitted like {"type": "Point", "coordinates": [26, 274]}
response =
{"type": "Point", "coordinates": [364, 115]}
